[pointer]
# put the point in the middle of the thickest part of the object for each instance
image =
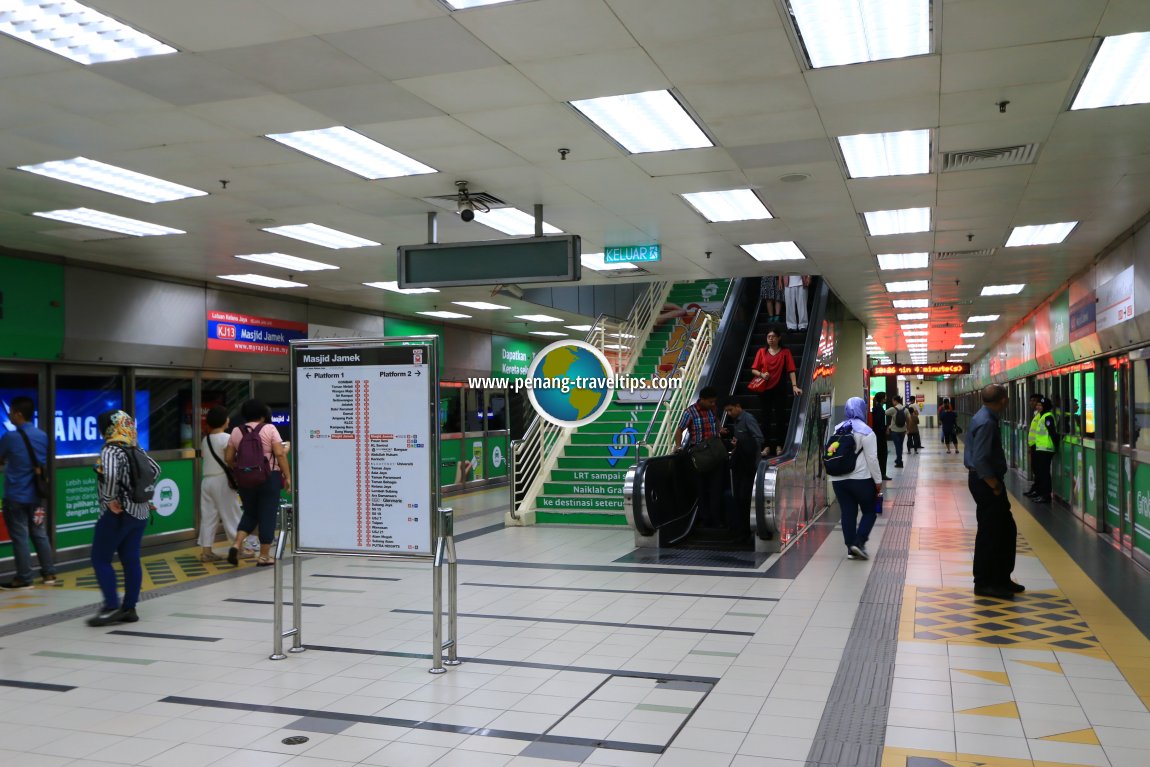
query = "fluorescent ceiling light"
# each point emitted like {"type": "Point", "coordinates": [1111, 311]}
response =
{"type": "Point", "coordinates": [914, 316]}
{"type": "Point", "coordinates": [512, 221]}
{"type": "Point", "coordinates": [321, 235]}
{"type": "Point", "coordinates": [447, 315]}
{"type": "Point", "coordinates": [595, 261]}
{"type": "Point", "coordinates": [1119, 74]}
{"type": "Point", "coordinates": [774, 251]}
{"type": "Point", "coordinates": [1002, 290]}
{"type": "Point", "coordinates": [287, 262]}
{"type": "Point", "coordinates": [461, 4]}
{"type": "Point", "coordinates": [622, 335]}
{"type": "Point", "coordinates": [957, 355]}
{"type": "Point", "coordinates": [911, 303]}
{"type": "Point", "coordinates": [732, 205]}
{"type": "Point", "coordinates": [1040, 234]}
{"type": "Point", "coordinates": [971, 335]}
{"type": "Point", "coordinates": [983, 318]}
{"type": "Point", "coordinates": [964, 346]}
{"type": "Point", "coordinates": [912, 333]}
{"type": "Point", "coordinates": [653, 121]}
{"type": "Point", "coordinates": [352, 151]}
{"type": "Point", "coordinates": [837, 32]}
{"type": "Point", "coordinates": [393, 286]}
{"type": "Point", "coordinates": [616, 347]}
{"type": "Point", "coordinates": [891, 261]}
{"type": "Point", "coordinates": [76, 31]}
{"type": "Point", "coordinates": [904, 221]}
{"type": "Point", "coordinates": [264, 282]}
{"type": "Point", "coordinates": [538, 318]}
{"type": "Point", "coordinates": [113, 223]}
{"type": "Point", "coordinates": [907, 287]}
{"type": "Point", "coordinates": [904, 153]}
{"type": "Point", "coordinates": [547, 333]}
{"type": "Point", "coordinates": [109, 178]}
{"type": "Point", "coordinates": [580, 328]}
{"type": "Point", "coordinates": [482, 306]}
{"type": "Point", "coordinates": [915, 326]}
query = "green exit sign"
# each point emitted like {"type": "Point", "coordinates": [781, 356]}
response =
{"type": "Point", "coordinates": [626, 254]}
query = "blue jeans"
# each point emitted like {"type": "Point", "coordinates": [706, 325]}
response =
{"type": "Point", "coordinates": [118, 534]}
{"type": "Point", "coordinates": [21, 526]}
{"type": "Point", "coordinates": [261, 507]}
{"type": "Point", "coordinates": [898, 437]}
{"type": "Point", "coordinates": [854, 495]}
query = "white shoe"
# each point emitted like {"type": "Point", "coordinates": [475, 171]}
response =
{"type": "Point", "coordinates": [859, 552]}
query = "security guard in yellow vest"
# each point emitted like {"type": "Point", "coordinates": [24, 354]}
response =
{"type": "Point", "coordinates": [1035, 398]}
{"type": "Point", "coordinates": [1043, 431]}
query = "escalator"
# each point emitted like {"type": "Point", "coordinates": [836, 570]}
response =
{"type": "Point", "coordinates": [660, 495]}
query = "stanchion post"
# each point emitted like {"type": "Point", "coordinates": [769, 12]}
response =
{"type": "Point", "coordinates": [448, 526]}
{"type": "Point", "coordinates": [287, 519]}
{"type": "Point", "coordinates": [437, 608]}
{"type": "Point", "coordinates": [278, 608]}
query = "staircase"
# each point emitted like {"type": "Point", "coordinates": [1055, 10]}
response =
{"type": "Point", "coordinates": [586, 486]}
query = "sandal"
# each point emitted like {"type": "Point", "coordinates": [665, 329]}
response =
{"type": "Point", "coordinates": [265, 562]}
{"type": "Point", "coordinates": [247, 554]}
{"type": "Point", "coordinates": [210, 556]}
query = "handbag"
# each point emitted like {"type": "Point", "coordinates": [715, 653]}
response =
{"type": "Point", "coordinates": [757, 385]}
{"type": "Point", "coordinates": [709, 455]}
{"type": "Point", "coordinates": [38, 479]}
{"type": "Point", "coordinates": [227, 472]}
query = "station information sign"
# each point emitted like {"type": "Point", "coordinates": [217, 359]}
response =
{"type": "Point", "coordinates": [936, 369]}
{"type": "Point", "coordinates": [365, 446]}
{"type": "Point", "coordinates": [626, 254]}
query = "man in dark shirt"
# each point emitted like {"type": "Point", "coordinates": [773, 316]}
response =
{"type": "Point", "coordinates": [24, 512]}
{"type": "Point", "coordinates": [878, 423]}
{"type": "Point", "coordinates": [985, 461]}
{"type": "Point", "coordinates": [746, 440]}
{"type": "Point", "coordinates": [700, 424]}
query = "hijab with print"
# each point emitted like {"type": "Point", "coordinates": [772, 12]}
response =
{"type": "Point", "coordinates": [118, 427]}
{"type": "Point", "coordinates": [856, 413]}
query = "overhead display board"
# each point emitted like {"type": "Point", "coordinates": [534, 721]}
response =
{"type": "Point", "coordinates": [492, 262]}
{"type": "Point", "coordinates": [365, 444]}
{"type": "Point", "coordinates": [937, 369]}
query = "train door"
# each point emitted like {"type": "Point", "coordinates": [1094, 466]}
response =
{"type": "Point", "coordinates": [16, 383]}
{"type": "Point", "coordinates": [1115, 441]}
{"type": "Point", "coordinates": [1136, 460]}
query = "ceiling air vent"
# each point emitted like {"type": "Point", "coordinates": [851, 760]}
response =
{"type": "Point", "coordinates": [450, 201]}
{"type": "Point", "coordinates": [976, 159]}
{"type": "Point", "coordinates": [951, 255]}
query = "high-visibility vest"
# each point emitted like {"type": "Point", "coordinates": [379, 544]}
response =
{"type": "Point", "coordinates": [1041, 435]}
{"type": "Point", "coordinates": [1032, 435]}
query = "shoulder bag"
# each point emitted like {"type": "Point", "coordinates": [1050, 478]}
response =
{"type": "Point", "coordinates": [709, 455]}
{"type": "Point", "coordinates": [39, 480]}
{"type": "Point", "coordinates": [227, 472]}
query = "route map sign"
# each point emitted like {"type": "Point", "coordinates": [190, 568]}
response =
{"type": "Point", "coordinates": [366, 446]}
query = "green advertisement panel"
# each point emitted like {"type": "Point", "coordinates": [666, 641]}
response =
{"type": "Point", "coordinates": [78, 505]}
{"type": "Point", "coordinates": [1077, 491]}
{"type": "Point", "coordinates": [449, 453]}
{"type": "Point", "coordinates": [1090, 494]}
{"type": "Point", "coordinates": [473, 459]}
{"type": "Point", "coordinates": [497, 456]}
{"type": "Point", "coordinates": [1142, 508]}
{"type": "Point", "coordinates": [395, 326]}
{"type": "Point", "coordinates": [31, 309]}
{"type": "Point", "coordinates": [511, 357]}
{"type": "Point", "coordinates": [1063, 479]}
{"type": "Point", "coordinates": [1060, 329]}
{"type": "Point", "coordinates": [1113, 501]}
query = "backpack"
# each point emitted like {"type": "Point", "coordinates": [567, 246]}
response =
{"type": "Point", "coordinates": [252, 468]}
{"type": "Point", "coordinates": [900, 417]}
{"type": "Point", "coordinates": [142, 475]}
{"type": "Point", "coordinates": [840, 455]}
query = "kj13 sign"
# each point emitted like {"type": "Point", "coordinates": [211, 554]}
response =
{"type": "Point", "coordinates": [232, 332]}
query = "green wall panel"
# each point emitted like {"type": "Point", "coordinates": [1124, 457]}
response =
{"type": "Point", "coordinates": [31, 309]}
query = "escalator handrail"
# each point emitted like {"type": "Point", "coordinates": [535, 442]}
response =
{"type": "Point", "coordinates": [746, 345]}
{"type": "Point", "coordinates": [807, 369]}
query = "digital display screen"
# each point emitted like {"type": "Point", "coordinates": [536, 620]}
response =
{"type": "Point", "coordinates": [75, 428]}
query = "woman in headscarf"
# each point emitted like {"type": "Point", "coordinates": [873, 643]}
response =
{"type": "Point", "coordinates": [120, 527]}
{"type": "Point", "coordinates": [858, 490]}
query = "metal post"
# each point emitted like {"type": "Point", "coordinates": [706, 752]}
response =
{"type": "Point", "coordinates": [287, 517]}
{"type": "Point", "coordinates": [277, 606]}
{"type": "Point", "coordinates": [452, 590]}
{"type": "Point", "coordinates": [437, 608]}
{"type": "Point", "coordinates": [432, 227]}
{"type": "Point", "coordinates": [538, 219]}
{"type": "Point", "coordinates": [297, 602]}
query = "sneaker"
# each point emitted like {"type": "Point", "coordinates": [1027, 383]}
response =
{"type": "Point", "coordinates": [859, 552]}
{"type": "Point", "coordinates": [16, 584]}
{"type": "Point", "coordinates": [51, 580]}
{"type": "Point", "coordinates": [105, 617]}
{"type": "Point", "coordinates": [1016, 588]}
{"type": "Point", "coordinates": [851, 555]}
{"type": "Point", "coordinates": [126, 615]}
{"type": "Point", "coordinates": [994, 593]}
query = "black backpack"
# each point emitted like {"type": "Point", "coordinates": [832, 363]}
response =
{"type": "Point", "coordinates": [840, 455]}
{"type": "Point", "coordinates": [142, 475]}
{"type": "Point", "coordinates": [900, 417]}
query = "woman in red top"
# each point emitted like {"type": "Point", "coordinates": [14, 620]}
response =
{"type": "Point", "coordinates": [773, 362]}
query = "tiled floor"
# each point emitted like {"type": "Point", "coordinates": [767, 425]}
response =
{"type": "Point", "coordinates": [573, 657]}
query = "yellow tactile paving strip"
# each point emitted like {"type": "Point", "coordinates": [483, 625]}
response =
{"type": "Point", "coordinates": [179, 566]}
{"type": "Point", "coordinates": [953, 539]}
{"type": "Point", "coordinates": [903, 757]}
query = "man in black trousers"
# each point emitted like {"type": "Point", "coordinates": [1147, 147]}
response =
{"type": "Point", "coordinates": [994, 543]}
{"type": "Point", "coordinates": [878, 423]}
{"type": "Point", "coordinates": [746, 441]}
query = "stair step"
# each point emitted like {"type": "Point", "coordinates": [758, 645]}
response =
{"type": "Point", "coordinates": [603, 439]}
{"type": "Point", "coordinates": [603, 518]}
{"type": "Point", "coordinates": [592, 451]}
{"type": "Point", "coordinates": [612, 427]}
{"type": "Point", "coordinates": [582, 488]}
{"type": "Point", "coordinates": [597, 476]}
{"type": "Point", "coordinates": [579, 503]}
{"type": "Point", "coordinates": [596, 463]}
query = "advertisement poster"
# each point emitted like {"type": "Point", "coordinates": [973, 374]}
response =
{"type": "Point", "coordinates": [1116, 300]}
{"type": "Point", "coordinates": [1060, 350]}
{"type": "Point", "coordinates": [233, 332]}
{"type": "Point", "coordinates": [1142, 508]}
{"type": "Point", "coordinates": [511, 357]}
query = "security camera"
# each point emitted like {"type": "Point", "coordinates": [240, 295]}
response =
{"type": "Point", "coordinates": [465, 206]}
{"type": "Point", "coordinates": [466, 210]}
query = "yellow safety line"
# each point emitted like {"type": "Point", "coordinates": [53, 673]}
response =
{"type": "Point", "coordinates": [1127, 646]}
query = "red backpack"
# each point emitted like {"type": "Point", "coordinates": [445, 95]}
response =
{"type": "Point", "coordinates": [252, 467]}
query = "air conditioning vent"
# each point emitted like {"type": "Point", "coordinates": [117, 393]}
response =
{"type": "Point", "coordinates": [976, 159]}
{"type": "Point", "coordinates": [951, 255]}
{"type": "Point", "coordinates": [448, 201]}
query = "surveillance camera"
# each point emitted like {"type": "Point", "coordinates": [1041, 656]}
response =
{"type": "Point", "coordinates": [466, 210]}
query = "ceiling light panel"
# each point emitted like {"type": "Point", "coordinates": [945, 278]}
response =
{"type": "Point", "coordinates": [263, 282]}
{"type": "Point", "coordinates": [964, 346]}
{"type": "Point", "coordinates": [958, 355]}
{"type": "Point", "coordinates": [393, 286]}
{"type": "Point", "coordinates": [971, 335]}
{"type": "Point", "coordinates": [892, 261]}
{"type": "Point", "coordinates": [76, 31]}
{"type": "Point", "coordinates": [983, 318]}
{"type": "Point", "coordinates": [732, 205]}
{"type": "Point", "coordinates": [914, 316]}
{"type": "Point", "coordinates": [911, 333]}
{"type": "Point", "coordinates": [653, 121]}
{"type": "Point", "coordinates": [1002, 290]}
{"type": "Point", "coordinates": [512, 221]}
{"type": "Point", "coordinates": [1119, 74]}
{"type": "Point", "coordinates": [911, 303]}
{"type": "Point", "coordinates": [113, 223]}
{"type": "Point", "coordinates": [353, 151]}
{"type": "Point", "coordinates": [1041, 234]}
{"type": "Point", "coordinates": [462, 4]}
{"type": "Point", "coordinates": [838, 32]}
{"type": "Point", "coordinates": [538, 318]}
{"type": "Point", "coordinates": [108, 178]}
{"type": "Point", "coordinates": [908, 287]}
{"type": "Point", "coordinates": [482, 306]}
{"type": "Point", "coordinates": [904, 221]}
{"type": "Point", "coordinates": [870, 155]}
{"type": "Point", "coordinates": [774, 251]}
{"type": "Point", "coordinates": [444, 315]}
{"type": "Point", "coordinates": [321, 235]}
{"type": "Point", "coordinates": [915, 326]}
{"type": "Point", "coordinates": [548, 333]}
{"type": "Point", "coordinates": [595, 261]}
{"type": "Point", "coordinates": [580, 328]}
{"type": "Point", "coordinates": [287, 262]}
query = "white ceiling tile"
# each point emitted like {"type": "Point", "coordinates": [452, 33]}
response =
{"type": "Point", "coordinates": [204, 25]}
{"type": "Point", "coordinates": [416, 49]}
{"type": "Point", "coordinates": [546, 29]}
{"type": "Point", "coordinates": [1012, 177]}
{"type": "Point", "coordinates": [894, 114]}
{"type": "Point", "coordinates": [1010, 131]}
{"type": "Point", "coordinates": [290, 66]}
{"type": "Point", "coordinates": [374, 102]}
{"type": "Point", "coordinates": [876, 81]}
{"type": "Point", "coordinates": [785, 153]}
{"type": "Point", "coordinates": [1045, 100]}
{"type": "Point", "coordinates": [607, 73]}
{"type": "Point", "coordinates": [736, 57]}
{"type": "Point", "coordinates": [476, 90]}
{"type": "Point", "coordinates": [757, 97]}
{"type": "Point", "coordinates": [262, 115]}
{"type": "Point", "coordinates": [978, 25]}
{"type": "Point", "coordinates": [684, 161]}
{"type": "Point", "coordinates": [1123, 16]}
{"type": "Point", "coordinates": [538, 131]}
{"type": "Point", "coordinates": [182, 79]}
{"type": "Point", "coordinates": [756, 129]}
{"type": "Point", "coordinates": [675, 21]}
{"type": "Point", "coordinates": [325, 18]}
{"type": "Point", "coordinates": [1005, 67]}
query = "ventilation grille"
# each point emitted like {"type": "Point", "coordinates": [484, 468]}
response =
{"type": "Point", "coordinates": [975, 159]}
{"type": "Point", "coordinates": [951, 255]}
{"type": "Point", "coordinates": [480, 199]}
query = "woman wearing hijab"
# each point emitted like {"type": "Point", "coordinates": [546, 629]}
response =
{"type": "Point", "coordinates": [120, 527]}
{"type": "Point", "coordinates": [859, 490]}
